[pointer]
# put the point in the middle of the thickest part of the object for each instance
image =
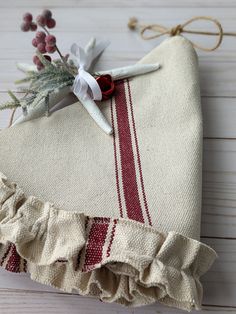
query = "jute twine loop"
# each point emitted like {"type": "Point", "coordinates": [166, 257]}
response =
{"type": "Point", "coordinates": [176, 30]}
{"type": "Point", "coordinates": [160, 30]}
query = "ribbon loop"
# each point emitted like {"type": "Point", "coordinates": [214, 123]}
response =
{"type": "Point", "coordinates": [85, 83]}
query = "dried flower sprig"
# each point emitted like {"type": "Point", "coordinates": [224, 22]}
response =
{"type": "Point", "coordinates": [51, 80]}
{"type": "Point", "coordinates": [43, 40]}
{"type": "Point", "coordinates": [52, 75]}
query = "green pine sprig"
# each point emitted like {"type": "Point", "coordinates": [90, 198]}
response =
{"type": "Point", "coordinates": [41, 84]}
{"type": "Point", "coordinates": [11, 104]}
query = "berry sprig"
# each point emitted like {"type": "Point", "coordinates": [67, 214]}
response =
{"type": "Point", "coordinates": [28, 23]}
{"type": "Point", "coordinates": [43, 40]}
{"type": "Point", "coordinates": [45, 19]}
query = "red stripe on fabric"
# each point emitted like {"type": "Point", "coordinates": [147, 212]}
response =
{"type": "Point", "coordinates": [96, 240]}
{"type": "Point", "coordinates": [130, 187]}
{"type": "Point", "coordinates": [14, 261]}
{"type": "Point", "coordinates": [138, 155]}
{"type": "Point", "coordinates": [116, 162]}
{"type": "Point", "coordinates": [112, 237]}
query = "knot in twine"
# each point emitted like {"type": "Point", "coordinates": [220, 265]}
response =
{"type": "Point", "coordinates": [160, 30]}
{"type": "Point", "coordinates": [177, 30]}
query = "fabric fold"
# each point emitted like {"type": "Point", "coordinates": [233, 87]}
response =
{"type": "Point", "coordinates": [40, 239]}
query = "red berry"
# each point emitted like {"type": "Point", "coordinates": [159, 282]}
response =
{"type": "Point", "coordinates": [27, 17]}
{"type": "Point", "coordinates": [40, 67]}
{"type": "Point", "coordinates": [33, 26]}
{"type": "Point", "coordinates": [51, 23]}
{"type": "Point", "coordinates": [34, 42]}
{"type": "Point", "coordinates": [48, 58]}
{"type": "Point", "coordinates": [25, 27]}
{"type": "Point", "coordinates": [41, 20]}
{"type": "Point", "coordinates": [41, 47]}
{"type": "Point", "coordinates": [47, 14]}
{"type": "Point", "coordinates": [50, 40]}
{"type": "Point", "coordinates": [50, 49]}
{"type": "Point", "coordinates": [36, 60]}
{"type": "Point", "coordinates": [40, 36]}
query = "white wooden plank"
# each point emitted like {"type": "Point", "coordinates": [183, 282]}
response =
{"type": "Point", "coordinates": [41, 303]}
{"type": "Point", "coordinates": [219, 117]}
{"type": "Point", "coordinates": [73, 25]}
{"type": "Point", "coordinates": [219, 283]}
{"type": "Point", "coordinates": [119, 3]}
{"type": "Point", "coordinates": [87, 18]}
{"type": "Point", "coordinates": [219, 156]}
{"type": "Point", "coordinates": [21, 281]}
{"type": "Point", "coordinates": [219, 188]}
{"type": "Point", "coordinates": [127, 44]}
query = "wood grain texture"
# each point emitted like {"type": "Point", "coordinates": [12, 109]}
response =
{"type": "Point", "coordinates": [120, 3]}
{"type": "Point", "coordinates": [78, 20]}
{"type": "Point", "coordinates": [25, 302]}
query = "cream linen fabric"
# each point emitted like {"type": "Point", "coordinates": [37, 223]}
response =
{"type": "Point", "coordinates": [149, 171]}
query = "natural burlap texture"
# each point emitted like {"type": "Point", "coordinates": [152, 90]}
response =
{"type": "Point", "coordinates": [116, 217]}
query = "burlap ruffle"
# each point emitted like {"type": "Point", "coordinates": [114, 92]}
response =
{"type": "Point", "coordinates": [116, 260]}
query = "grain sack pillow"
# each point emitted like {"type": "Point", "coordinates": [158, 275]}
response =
{"type": "Point", "coordinates": [114, 217]}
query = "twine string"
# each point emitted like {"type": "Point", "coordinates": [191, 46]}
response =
{"type": "Point", "coordinates": [160, 30]}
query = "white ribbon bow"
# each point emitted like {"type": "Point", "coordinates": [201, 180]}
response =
{"type": "Point", "coordinates": [85, 86]}
{"type": "Point", "coordinates": [84, 82]}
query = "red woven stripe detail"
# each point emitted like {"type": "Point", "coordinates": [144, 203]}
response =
{"type": "Point", "coordinates": [138, 156]}
{"type": "Point", "coordinates": [96, 240]}
{"type": "Point", "coordinates": [116, 162]}
{"type": "Point", "coordinates": [112, 237]}
{"type": "Point", "coordinates": [14, 260]}
{"type": "Point", "coordinates": [130, 187]}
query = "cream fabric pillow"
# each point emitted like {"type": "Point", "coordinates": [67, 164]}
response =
{"type": "Point", "coordinates": [116, 217]}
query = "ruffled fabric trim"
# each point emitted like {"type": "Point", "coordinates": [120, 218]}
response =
{"type": "Point", "coordinates": [116, 260]}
